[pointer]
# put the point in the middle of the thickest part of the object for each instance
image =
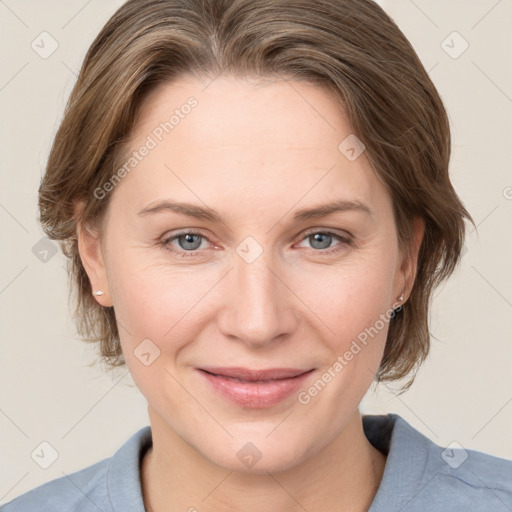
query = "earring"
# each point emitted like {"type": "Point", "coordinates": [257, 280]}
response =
{"type": "Point", "coordinates": [99, 292]}
{"type": "Point", "coordinates": [399, 308]}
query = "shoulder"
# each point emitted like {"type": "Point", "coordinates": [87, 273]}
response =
{"type": "Point", "coordinates": [422, 475]}
{"type": "Point", "coordinates": [474, 480]}
{"type": "Point", "coordinates": [83, 491]}
{"type": "Point", "coordinates": [110, 484]}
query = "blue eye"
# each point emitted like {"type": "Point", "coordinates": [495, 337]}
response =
{"type": "Point", "coordinates": [324, 239]}
{"type": "Point", "coordinates": [189, 242]}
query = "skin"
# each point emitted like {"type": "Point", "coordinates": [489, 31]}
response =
{"type": "Point", "coordinates": [256, 153]}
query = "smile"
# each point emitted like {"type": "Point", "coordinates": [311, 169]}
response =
{"type": "Point", "coordinates": [255, 389]}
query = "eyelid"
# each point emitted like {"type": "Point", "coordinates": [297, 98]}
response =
{"type": "Point", "coordinates": [197, 231]}
{"type": "Point", "coordinates": [333, 231]}
{"type": "Point", "coordinates": [167, 238]}
{"type": "Point", "coordinates": [345, 239]}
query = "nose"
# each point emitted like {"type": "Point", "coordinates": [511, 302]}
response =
{"type": "Point", "coordinates": [258, 305]}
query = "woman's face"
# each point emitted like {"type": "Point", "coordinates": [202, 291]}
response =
{"type": "Point", "coordinates": [258, 284]}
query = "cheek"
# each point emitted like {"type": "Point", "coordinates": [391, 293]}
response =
{"type": "Point", "coordinates": [156, 308]}
{"type": "Point", "coordinates": [156, 299]}
{"type": "Point", "coordinates": [150, 296]}
{"type": "Point", "coordinates": [349, 298]}
{"type": "Point", "coordinates": [354, 305]}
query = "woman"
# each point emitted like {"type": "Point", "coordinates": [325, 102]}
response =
{"type": "Point", "coordinates": [255, 200]}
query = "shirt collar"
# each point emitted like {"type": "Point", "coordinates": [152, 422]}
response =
{"type": "Point", "coordinates": [123, 481]}
{"type": "Point", "coordinates": [407, 452]}
{"type": "Point", "coordinates": [404, 447]}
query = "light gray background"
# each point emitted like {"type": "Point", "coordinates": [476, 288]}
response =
{"type": "Point", "coordinates": [462, 393]}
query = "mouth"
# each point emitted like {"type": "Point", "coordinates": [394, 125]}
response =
{"type": "Point", "coordinates": [255, 389]}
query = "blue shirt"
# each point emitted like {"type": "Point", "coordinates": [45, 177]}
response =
{"type": "Point", "coordinates": [419, 476]}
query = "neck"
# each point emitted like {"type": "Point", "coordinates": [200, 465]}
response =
{"type": "Point", "coordinates": [343, 476]}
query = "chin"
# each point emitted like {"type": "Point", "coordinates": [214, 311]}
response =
{"type": "Point", "coordinates": [270, 463]}
{"type": "Point", "coordinates": [257, 454]}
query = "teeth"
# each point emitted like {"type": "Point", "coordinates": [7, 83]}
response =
{"type": "Point", "coordinates": [247, 381]}
{"type": "Point", "coordinates": [236, 379]}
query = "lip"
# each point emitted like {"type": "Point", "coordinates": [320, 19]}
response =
{"type": "Point", "coordinates": [255, 389]}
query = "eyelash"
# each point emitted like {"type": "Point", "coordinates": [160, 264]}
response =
{"type": "Point", "coordinates": [188, 254]}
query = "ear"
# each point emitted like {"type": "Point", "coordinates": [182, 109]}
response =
{"type": "Point", "coordinates": [410, 262]}
{"type": "Point", "coordinates": [89, 248]}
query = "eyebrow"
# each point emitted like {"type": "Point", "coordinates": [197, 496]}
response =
{"type": "Point", "coordinates": [205, 213]}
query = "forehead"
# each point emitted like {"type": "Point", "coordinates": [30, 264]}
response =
{"type": "Point", "coordinates": [246, 137]}
{"type": "Point", "coordinates": [248, 110]}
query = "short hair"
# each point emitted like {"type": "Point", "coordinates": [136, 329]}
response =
{"type": "Point", "coordinates": [351, 47]}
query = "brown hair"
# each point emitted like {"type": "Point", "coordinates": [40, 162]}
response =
{"type": "Point", "coordinates": [352, 47]}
